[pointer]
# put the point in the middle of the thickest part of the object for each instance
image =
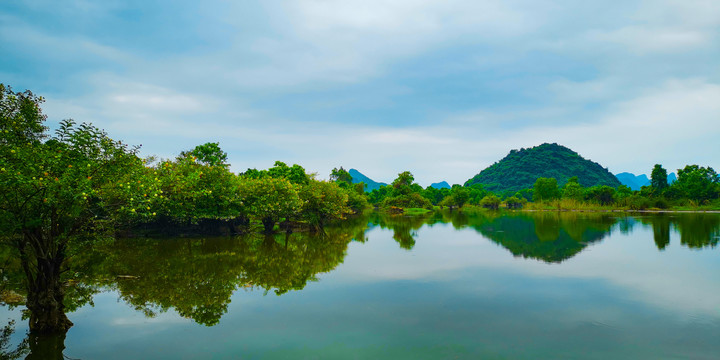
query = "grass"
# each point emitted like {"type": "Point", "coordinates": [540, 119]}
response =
{"type": "Point", "coordinates": [415, 211]}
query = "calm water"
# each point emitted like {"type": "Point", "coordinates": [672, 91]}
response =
{"type": "Point", "coordinates": [442, 286]}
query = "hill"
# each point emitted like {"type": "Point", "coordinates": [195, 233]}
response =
{"type": "Point", "coordinates": [370, 184]}
{"type": "Point", "coordinates": [635, 182]}
{"type": "Point", "coordinates": [520, 168]}
{"type": "Point", "coordinates": [440, 185]}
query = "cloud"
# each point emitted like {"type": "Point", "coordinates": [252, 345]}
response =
{"type": "Point", "coordinates": [644, 40]}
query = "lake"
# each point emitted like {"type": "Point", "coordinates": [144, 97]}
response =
{"type": "Point", "coordinates": [446, 285]}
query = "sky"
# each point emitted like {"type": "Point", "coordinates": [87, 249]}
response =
{"type": "Point", "coordinates": [440, 88]}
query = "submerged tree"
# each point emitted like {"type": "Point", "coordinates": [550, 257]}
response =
{"type": "Point", "coordinates": [53, 191]}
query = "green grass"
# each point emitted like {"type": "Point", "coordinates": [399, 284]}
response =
{"type": "Point", "coordinates": [415, 211]}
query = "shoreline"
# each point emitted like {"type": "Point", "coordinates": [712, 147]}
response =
{"type": "Point", "coordinates": [630, 211]}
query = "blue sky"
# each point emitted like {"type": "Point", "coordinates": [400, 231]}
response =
{"type": "Point", "coordinates": [440, 88]}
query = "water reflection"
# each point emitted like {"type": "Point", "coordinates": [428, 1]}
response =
{"type": "Point", "coordinates": [697, 230]}
{"type": "Point", "coordinates": [196, 277]}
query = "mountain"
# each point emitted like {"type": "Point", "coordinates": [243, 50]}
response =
{"type": "Point", "coordinates": [440, 185]}
{"type": "Point", "coordinates": [520, 168]}
{"type": "Point", "coordinates": [635, 182]}
{"type": "Point", "coordinates": [370, 185]}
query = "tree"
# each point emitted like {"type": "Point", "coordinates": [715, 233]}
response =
{"type": "Point", "coordinates": [573, 189]}
{"type": "Point", "coordinates": [207, 154]}
{"type": "Point", "coordinates": [403, 181]}
{"type": "Point", "coordinates": [697, 183]}
{"type": "Point", "coordinates": [54, 190]}
{"type": "Point", "coordinates": [490, 202]}
{"type": "Point", "coordinates": [270, 199]}
{"type": "Point", "coordinates": [545, 189]}
{"type": "Point", "coordinates": [604, 195]}
{"type": "Point", "coordinates": [658, 178]}
{"type": "Point", "coordinates": [340, 175]}
{"type": "Point", "coordinates": [321, 202]}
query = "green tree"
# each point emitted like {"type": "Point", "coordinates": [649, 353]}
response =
{"type": "Point", "coordinates": [207, 154]}
{"type": "Point", "coordinates": [340, 175]}
{"type": "Point", "coordinates": [270, 199]}
{"type": "Point", "coordinates": [490, 202]}
{"type": "Point", "coordinates": [54, 190]}
{"type": "Point", "coordinates": [573, 190]}
{"type": "Point", "coordinates": [697, 183]}
{"type": "Point", "coordinates": [545, 189]}
{"type": "Point", "coordinates": [603, 195]}
{"type": "Point", "coordinates": [658, 178]}
{"type": "Point", "coordinates": [322, 202]}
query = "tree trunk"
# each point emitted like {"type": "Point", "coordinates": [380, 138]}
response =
{"type": "Point", "coordinates": [46, 347]}
{"type": "Point", "coordinates": [268, 224]}
{"type": "Point", "coordinates": [45, 299]}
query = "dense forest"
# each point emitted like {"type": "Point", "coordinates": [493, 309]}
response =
{"type": "Point", "coordinates": [520, 168]}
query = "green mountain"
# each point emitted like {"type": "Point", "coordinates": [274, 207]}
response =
{"type": "Point", "coordinates": [520, 168]}
{"type": "Point", "coordinates": [370, 184]}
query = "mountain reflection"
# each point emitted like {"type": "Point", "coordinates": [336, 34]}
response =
{"type": "Point", "coordinates": [196, 277]}
{"type": "Point", "coordinates": [552, 237]}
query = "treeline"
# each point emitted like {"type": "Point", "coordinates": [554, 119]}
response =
{"type": "Point", "coordinates": [695, 187]}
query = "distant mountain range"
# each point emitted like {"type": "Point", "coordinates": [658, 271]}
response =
{"type": "Point", "coordinates": [635, 182]}
{"type": "Point", "coordinates": [370, 184]}
{"type": "Point", "coordinates": [520, 168]}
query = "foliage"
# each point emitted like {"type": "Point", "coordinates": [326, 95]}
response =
{"type": "Point", "coordinates": [54, 190]}
{"type": "Point", "coordinates": [545, 189]}
{"type": "Point", "coordinates": [514, 202]}
{"type": "Point", "coordinates": [490, 202]}
{"type": "Point", "coordinates": [340, 175]}
{"type": "Point", "coordinates": [658, 178]}
{"type": "Point", "coordinates": [322, 202]}
{"type": "Point", "coordinates": [270, 199]}
{"type": "Point", "coordinates": [603, 195]}
{"type": "Point", "coordinates": [521, 168]}
{"type": "Point", "coordinates": [295, 174]}
{"type": "Point", "coordinates": [697, 183]}
{"type": "Point", "coordinates": [207, 154]}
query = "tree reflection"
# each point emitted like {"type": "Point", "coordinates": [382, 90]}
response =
{"type": "Point", "coordinates": [697, 230]}
{"type": "Point", "coordinates": [404, 227]}
{"type": "Point", "coordinates": [552, 237]}
{"type": "Point", "coordinates": [196, 277]}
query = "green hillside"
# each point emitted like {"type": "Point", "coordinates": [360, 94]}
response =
{"type": "Point", "coordinates": [520, 168]}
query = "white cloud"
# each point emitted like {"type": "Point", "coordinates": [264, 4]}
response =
{"type": "Point", "coordinates": [645, 40]}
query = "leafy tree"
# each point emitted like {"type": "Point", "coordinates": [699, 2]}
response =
{"type": "Point", "coordinates": [270, 199]}
{"type": "Point", "coordinates": [295, 174]}
{"type": "Point", "coordinates": [604, 195]}
{"type": "Point", "coordinates": [321, 202]}
{"type": "Point", "coordinates": [207, 154]}
{"type": "Point", "coordinates": [514, 202]}
{"type": "Point", "coordinates": [340, 175]}
{"type": "Point", "coordinates": [545, 189]}
{"type": "Point", "coordinates": [658, 178]}
{"type": "Point", "coordinates": [573, 189]}
{"type": "Point", "coordinates": [460, 194]}
{"type": "Point", "coordinates": [404, 178]}
{"type": "Point", "coordinates": [490, 202]}
{"type": "Point", "coordinates": [697, 183]}
{"type": "Point", "coordinates": [54, 190]}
